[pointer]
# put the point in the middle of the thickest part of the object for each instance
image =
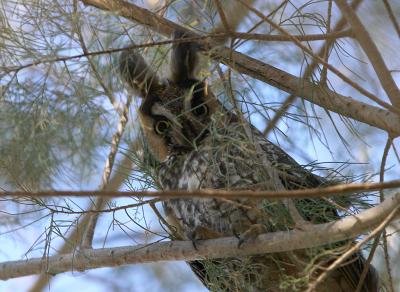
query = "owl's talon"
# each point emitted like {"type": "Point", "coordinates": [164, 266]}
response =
{"type": "Point", "coordinates": [194, 239]}
{"type": "Point", "coordinates": [252, 233]}
{"type": "Point", "coordinates": [194, 243]}
{"type": "Point", "coordinates": [240, 242]}
{"type": "Point", "coordinates": [202, 233]}
{"type": "Point", "coordinates": [236, 234]}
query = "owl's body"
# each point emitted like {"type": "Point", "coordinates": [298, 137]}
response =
{"type": "Point", "coordinates": [224, 160]}
{"type": "Point", "coordinates": [201, 145]}
{"type": "Point", "coordinates": [227, 159]}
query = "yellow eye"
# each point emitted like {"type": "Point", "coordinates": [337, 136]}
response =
{"type": "Point", "coordinates": [200, 110]}
{"type": "Point", "coordinates": [161, 127]}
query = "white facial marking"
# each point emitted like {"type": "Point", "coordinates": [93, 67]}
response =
{"type": "Point", "coordinates": [158, 109]}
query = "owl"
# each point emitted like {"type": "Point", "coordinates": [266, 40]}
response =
{"type": "Point", "coordinates": [200, 144]}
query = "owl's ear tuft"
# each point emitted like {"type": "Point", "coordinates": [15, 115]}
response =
{"type": "Point", "coordinates": [135, 71]}
{"type": "Point", "coordinates": [184, 58]}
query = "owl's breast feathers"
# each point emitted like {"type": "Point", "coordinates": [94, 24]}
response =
{"type": "Point", "coordinates": [227, 160]}
{"type": "Point", "coordinates": [222, 161]}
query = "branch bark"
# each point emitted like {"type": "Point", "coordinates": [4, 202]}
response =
{"type": "Point", "coordinates": [315, 93]}
{"type": "Point", "coordinates": [218, 193]}
{"type": "Point", "coordinates": [317, 235]}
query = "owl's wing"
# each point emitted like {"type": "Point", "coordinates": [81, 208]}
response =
{"type": "Point", "coordinates": [294, 176]}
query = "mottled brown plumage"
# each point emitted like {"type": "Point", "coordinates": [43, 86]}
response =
{"type": "Point", "coordinates": [200, 144]}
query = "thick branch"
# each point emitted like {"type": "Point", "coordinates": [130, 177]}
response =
{"type": "Point", "coordinates": [218, 193]}
{"type": "Point", "coordinates": [315, 93]}
{"type": "Point", "coordinates": [317, 235]}
{"type": "Point", "coordinates": [312, 92]}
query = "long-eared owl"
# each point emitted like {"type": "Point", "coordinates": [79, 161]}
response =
{"type": "Point", "coordinates": [201, 145]}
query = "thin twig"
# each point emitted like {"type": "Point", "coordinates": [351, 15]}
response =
{"type": "Point", "coordinates": [99, 204]}
{"type": "Point", "coordinates": [376, 240]}
{"type": "Point", "coordinates": [307, 73]}
{"type": "Point", "coordinates": [73, 239]}
{"type": "Point", "coordinates": [239, 43]}
{"type": "Point", "coordinates": [236, 35]}
{"type": "Point", "coordinates": [382, 198]}
{"type": "Point", "coordinates": [99, 79]}
{"type": "Point", "coordinates": [324, 72]}
{"type": "Point", "coordinates": [109, 210]}
{"type": "Point", "coordinates": [279, 113]}
{"type": "Point", "coordinates": [222, 15]}
{"type": "Point", "coordinates": [82, 234]}
{"type": "Point", "coordinates": [367, 263]}
{"type": "Point", "coordinates": [392, 17]}
{"type": "Point", "coordinates": [371, 50]}
{"type": "Point", "coordinates": [90, 229]}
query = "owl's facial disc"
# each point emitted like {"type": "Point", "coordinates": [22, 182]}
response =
{"type": "Point", "coordinates": [176, 112]}
{"type": "Point", "coordinates": [183, 120]}
{"type": "Point", "coordinates": [179, 117]}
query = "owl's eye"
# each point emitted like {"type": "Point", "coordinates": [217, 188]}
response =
{"type": "Point", "coordinates": [161, 127]}
{"type": "Point", "coordinates": [200, 110]}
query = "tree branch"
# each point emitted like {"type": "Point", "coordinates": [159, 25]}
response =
{"type": "Point", "coordinates": [308, 71]}
{"type": "Point", "coordinates": [98, 205]}
{"type": "Point", "coordinates": [312, 92]}
{"type": "Point", "coordinates": [219, 193]}
{"type": "Point", "coordinates": [372, 52]}
{"type": "Point", "coordinates": [74, 238]}
{"type": "Point", "coordinates": [392, 16]}
{"type": "Point", "coordinates": [308, 51]}
{"type": "Point", "coordinates": [317, 235]}
{"type": "Point", "coordinates": [340, 260]}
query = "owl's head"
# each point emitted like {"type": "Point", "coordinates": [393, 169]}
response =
{"type": "Point", "coordinates": [175, 112]}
